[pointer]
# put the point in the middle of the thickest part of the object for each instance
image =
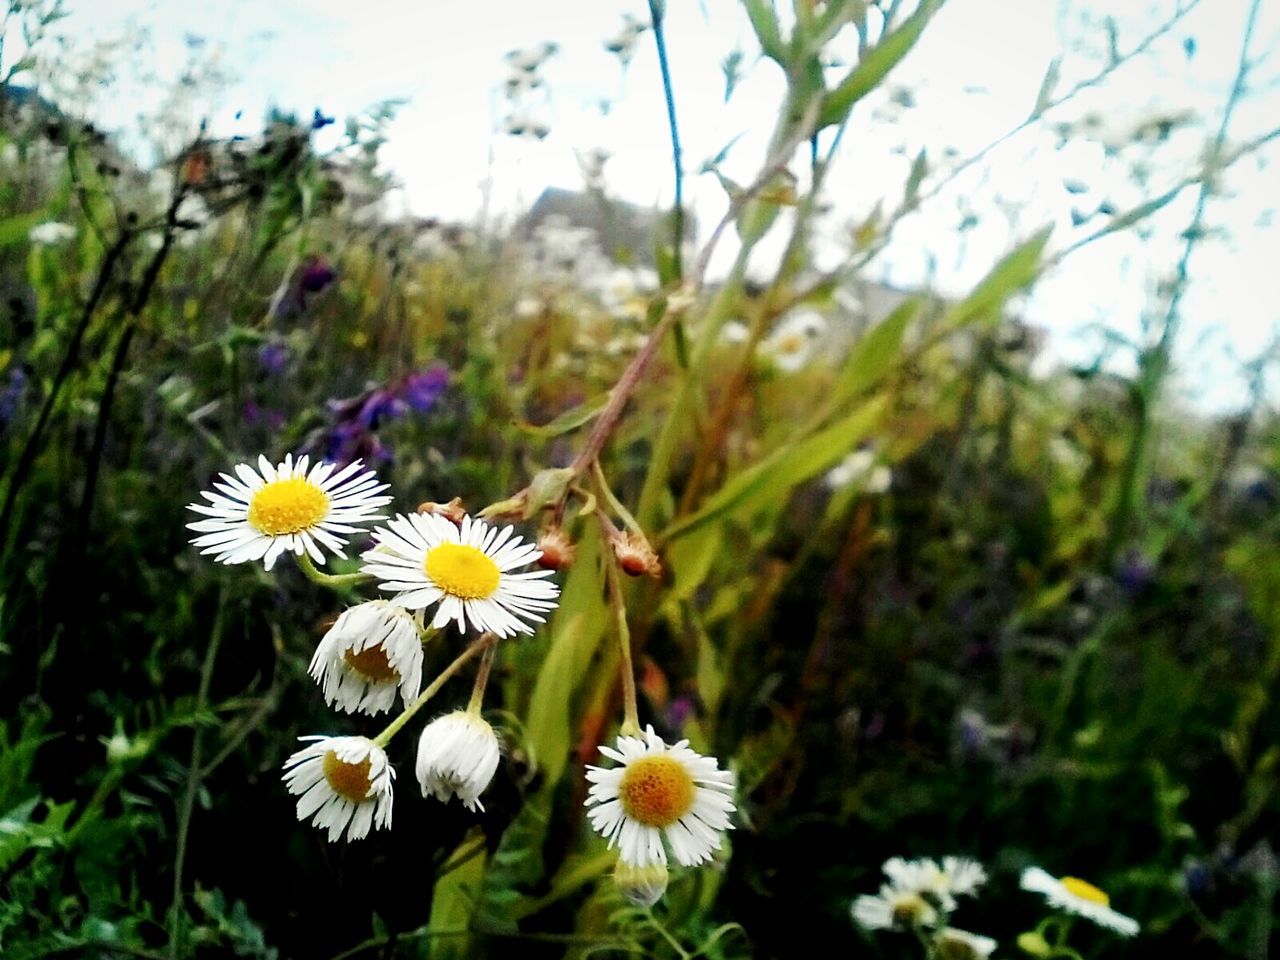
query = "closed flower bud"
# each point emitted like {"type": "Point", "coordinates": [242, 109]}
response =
{"type": "Point", "coordinates": [557, 550]}
{"type": "Point", "coordinates": [635, 556]}
{"type": "Point", "coordinates": [457, 757]}
{"type": "Point", "coordinates": [641, 886]}
{"type": "Point", "coordinates": [452, 511]}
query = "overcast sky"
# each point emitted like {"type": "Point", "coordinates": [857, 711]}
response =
{"type": "Point", "coordinates": [974, 75]}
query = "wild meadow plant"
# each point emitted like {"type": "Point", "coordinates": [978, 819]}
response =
{"type": "Point", "coordinates": [754, 588]}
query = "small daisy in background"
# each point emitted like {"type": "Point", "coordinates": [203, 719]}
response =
{"type": "Point", "coordinates": [920, 896]}
{"type": "Point", "coordinates": [258, 515]}
{"type": "Point", "coordinates": [1078, 897]}
{"type": "Point", "coordinates": [458, 755]}
{"type": "Point", "coordinates": [792, 343]}
{"type": "Point", "coordinates": [372, 651]}
{"type": "Point", "coordinates": [343, 785]}
{"type": "Point", "coordinates": [51, 234]}
{"type": "Point", "coordinates": [659, 791]}
{"type": "Point", "coordinates": [464, 568]}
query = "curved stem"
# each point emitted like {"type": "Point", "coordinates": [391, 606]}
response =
{"type": "Point", "coordinates": [333, 580]}
{"type": "Point", "coordinates": [631, 713]}
{"type": "Point", "coordinates": [485, 641]}
{"type": "Point", "coordinates": [656, 15]}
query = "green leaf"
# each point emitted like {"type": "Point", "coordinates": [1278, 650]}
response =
{"type": "Point", "coordinates": [16, 229]}
{"type": "Point", "coordinates": [576, 631]}
{"type": "Point", "coordinates": [876, 353]}
{"type": "Point", "coordinates": [875, 66]}
{"type": "Point", "coordinates": [764, 21]}
{"type": "Point", "coordinates": [569, 420]}
{"type": "Point", "coordinates": [772, 479]}
{"type": "Point", "coordinates": [1045, 95]}
{"type": "Point", "coordinates": [1015, 272]}
{"type": "Point", "coordinates": [454, 900]}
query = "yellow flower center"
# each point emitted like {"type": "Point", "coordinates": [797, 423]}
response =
{"type": "Point", "coordinates": [349, 780]}
{"type": "Point", "coordinates": [373, 664]}
{"type": "Point", "coordinates": [287, 506]}
{"type": "Point", "coordinates": [909, 909]}
{"type": "Point", "coordinates": [656, 791]}
{"type": "Point", "coordinates": [1085, 890]}
{"type": "Point", "coordinates": [792, 343]}
{"type": "Point", "coordinates": [462, 571]}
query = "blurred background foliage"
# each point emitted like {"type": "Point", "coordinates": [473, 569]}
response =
{"type": "Point", "coordinates": [921, 599]}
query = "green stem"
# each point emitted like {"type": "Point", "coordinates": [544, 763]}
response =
{"type": "Point", "coordinates": [631, 713]}
{"type": "Point", "coordinates": [482, 680]}
{"type": "Point", "coordinates": [486, 640]}
{"type": "Point", "coordinates": [334, 581]}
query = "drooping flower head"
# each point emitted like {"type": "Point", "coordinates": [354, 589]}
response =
{"type": "Point", "coordinates": [918, 892]}
{"type": "Point", "coordinates": [641, 886]}
{"type": "Point", "coordinates": [457, 757]}
{"type": "Point", "coordinates": [1079, 897]}
{"type": "Point", "coordinates": [372, 651]}
{"type": "Point", "coordinates": [259, 515]}
{"type": "Point", "coordinates": [466, 569]}
{"type": "Point", "coordinates": [894, 908]}
{"type": "Point", "coordinates": [659, 791]}
{"type": "Point", "coordinates": [343, 784]}
{"type": "Point", "coordinates": [953, 944]}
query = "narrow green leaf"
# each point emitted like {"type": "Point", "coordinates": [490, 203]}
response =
{"type": "Point", "coordinates": [15, 229]}
{"type": "Point", "coordinates": [1045, 95]}
{"type": "Point", "coordinates": [772, 479]}
{"type": "Point", "coordinates": [875, 354]}
{"type": "Point", "coordinates": [454, 900]}
{"type": "Point", "coordinates": [569, 420]}
{"type": "Point", "coordinates": [764, 21]}
{"type": "Point", "coordinates": [875, 66]}
{"type": "Point", "coordinates": [1013, 273]}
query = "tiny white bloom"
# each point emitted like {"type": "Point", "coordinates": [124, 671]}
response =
{"type": "Point", "coordinates": [259, 515]}
{"type": "Point", "coordinates": [1079, 897]}
{"type": "Point", "coordinates": [953, 944]}
{"type": "Point", "coordinates": [51, 233]}
{"type": "Point", "coordinates": [735, 331]}
{"type": "Point", "coordinates": [343, 784]}
{"type": "Point", "coordinates": [955, 876]}
{"type": "Point", "coordinates": [860, 467]}
{"type": "Point", "coordinates": [792, 342]}
{"type": "Point", "coordinates": [530, 58]}
{"type": "Point", "coordinates": [426, 559]}
{"type": "Point", "coordinates": [660, 791]}
{"type": "Point", "coordinates": [370, 652]}
{"type": "Point", "coordinates": [641, 886]}
{"type": "Point", "coordinates": [527, 123]}
{"type": "Point", "coordinates": [457, 757]}
{"type": "Point", "coordinates": [893, 908]}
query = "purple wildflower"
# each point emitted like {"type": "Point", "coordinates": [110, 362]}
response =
{"type": "Point", "coordinates": [11, 395]}
{"type": "Point", "coordinates": [316, 275]}
{"type": "Point", "coordinates": [272, 358]}
{"type": "Point", "coordinates": [423, 389]}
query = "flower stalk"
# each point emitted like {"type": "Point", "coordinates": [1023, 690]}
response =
{"type": "Point", "coordinates": [485, 641]}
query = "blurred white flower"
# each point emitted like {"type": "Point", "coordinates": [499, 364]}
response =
{"type": "Point", "coordinates": [791, 344]}
{"type": "Point", "coordinates": [956, 944]}
{"type": "Point", "coordinates": [1080, 898]}
{"type": "Point", "coordinates": [51, 233]}
{"type": "Point", "coordinates": [860, 467]}
{"type": "Point", "coordinates": [530, 58]}
{"type": "Point", "coordinates": [623, 43]}
{"type": "Point", "coordinates": [735, 331]}
{"type": "Point", "coordinates": [893, 908]}
{"type": "Point", "coordinates": [525, 122]}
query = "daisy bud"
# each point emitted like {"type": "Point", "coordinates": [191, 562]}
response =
{"type": "Point", "coordinates": [453, 511]}
{"type": "Point", "coordinates": [953, 944]}
{"type": "Point", "coordinates": [641, 886]}
{"type": "Point", "coordinates": [457, 757]}
{"type": "Point", "coordinates": [557, 550]}
{"type": "Point", "coordinates": [635, 556]}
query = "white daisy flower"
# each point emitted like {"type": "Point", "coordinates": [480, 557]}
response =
{"type": "Point", "coordinates": [259, 515]}
{"type": "Point", "coordinates": [860, 467]}
{"type": "Point", "coordinates": [953, 944]}
{"type": "Point", "coordinates": [660, 790]}
{"type": "Point", "coordinates": [792, 343]}
{"type": "Point", "coordinates": [893, 908]}
{"type": "Point", "coordinates": [428, 559]}
{"type": "Point", "coordinates": [955, 876]}
{"type": "Point", "coordinates": [457, 757]}
{"type": "Point", "coordinates": [51, 233]}
{"type": "Point", "coordinates": [343, 784]}
{"type": "Point", "coordinates": [372, 651]}
{"type": "Point", "coordinates": [1079, 897]}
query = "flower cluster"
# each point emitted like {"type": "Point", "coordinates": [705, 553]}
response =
{"type": "Point", "coordinates": [526, 92]}
{"type": "Point", "coordinates": [657, 801]}
{"type": "Point", "coordinates": [920, 896]}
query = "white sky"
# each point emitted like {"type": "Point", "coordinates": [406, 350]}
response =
{"type": "Point", "coordinates": [974, 75]}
